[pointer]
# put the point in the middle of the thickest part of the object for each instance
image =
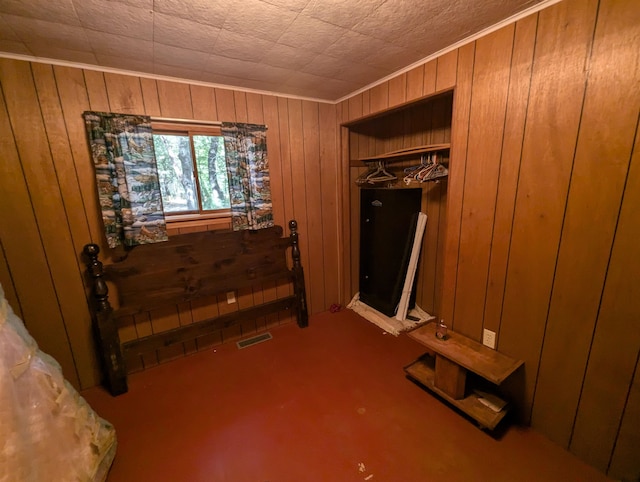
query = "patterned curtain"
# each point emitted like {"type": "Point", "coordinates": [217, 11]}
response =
{"type": "Point", "coordinates": [127, 178]}
{"type": "Point", "coordinates": [248, 171]}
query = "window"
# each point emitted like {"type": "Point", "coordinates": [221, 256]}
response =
{"type": "Point", "coordinates": [192, 170]}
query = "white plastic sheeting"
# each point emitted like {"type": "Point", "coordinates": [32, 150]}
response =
{"type": "Point", "coordinates": [48, 432]}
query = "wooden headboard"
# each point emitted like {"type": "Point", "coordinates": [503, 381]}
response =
{"type": "Point", "coordinates": [186, 268]}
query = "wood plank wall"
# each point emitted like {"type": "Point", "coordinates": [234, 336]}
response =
{"type": "Point", "coordinates": [542, 214]}
{"type": "Point", "coordinates": [49, 208]}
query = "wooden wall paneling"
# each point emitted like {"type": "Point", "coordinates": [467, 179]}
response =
{"type": "Point", "coordinates": [125, 93]}
{"type": "Point", "coordinates": [74, 99]}
{"type": "Point", "coordinates": [430, 74]}
{"type": "Point", "coordinates": [366, 102]}
{"type": "Point", "coordinates": [6, 283]}
{"type": "Point", "coordinates": [35, 175]}
{"type": "Point", "coordinates": [313, 190]}
{"type": "Point", "coordinates": [150, 97]}
{"type": "Point", "coordinates": [447, 70]}
{"type": "Point", "coordinates": [442, 233]}
{"type": "Point", "coordinates": [299, 188]}
{"type": "Point", "coordinates": [457, 167]}
{"type": "Point", "coordinates": [486, 129]}
{"type": "Point", "coordinates": [581, 267]}
{"type": "Point", "coordinates": [203, 103]}
{"type": "Point", "coordinates": [397, 90]}
{"type": "Point", "coordinates": [625, 464]}
{"type": "Point", "coordinates": [284, 289]}
{"type": "Point", "coordinates": [616, 341]}
{"type": "Point", "coordinates": [430, 246]}
{"type": "Point", "coordinates": [233, 332]}
{"type": "Point", "coordinates": [270, 108]}
{"type": "Point", "coordinates": [96, 90]}
{"type": "Point", "coordinates": [226, 104]}
{"type": "Point", "coordinates": [240, 101]}
{"type": "Point", "coordinates": [345, 208]}
{"type": "Point", "coordinates": [354, 215]}
{"type": "Point", "coordinates": [563, 42]}
{"type": "Point", "coordinates": [379, 97]}
{"type": "Point", "coordinates": [331, 191]}
{"type": "Point", "coordinates": [355, 107]}
{"type": "Point", "coordinates": [255, 109]}
{"type": "Point", "coordinates": [415, 83]}
{"type": "Point", "coordinates": [174, 99]}
{"type": "Point", "coordinates": [244, 298]}
{"type": "Point", "coordinates": [518, 99]}
{"type": "Point", "coordinates": [75, 311]}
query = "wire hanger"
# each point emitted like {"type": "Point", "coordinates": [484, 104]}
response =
{"type": "Point", "coordinates": [376, 174]}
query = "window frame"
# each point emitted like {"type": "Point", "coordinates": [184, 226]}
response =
{"type": "Point", "coordinates": [183, 127]}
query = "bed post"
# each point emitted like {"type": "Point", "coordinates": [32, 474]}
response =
{"type": "Point", "coordinates": [104, 326]}
{"type": "Point", "coordinates": [298, 277]}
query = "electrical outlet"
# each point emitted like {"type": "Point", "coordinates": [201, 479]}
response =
{"type": "Point", "coordinates": [231, 297]}
{"type": "Point", "coordinates": [489, 339]}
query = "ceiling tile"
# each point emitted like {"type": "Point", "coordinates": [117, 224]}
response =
{"type": "Point", "coordinates": [394, 17]}
{"type": "Point", "coordinates": [136, 3]}
{"type": "Point", "coordinates": [115, 18]}
{"type": "Point", "coordinates": [259, 19]}
{"type": "Point", "coordinates": [342, 69]}
{"type": "Point", "coordinates": [45, 49]}
{"type": "Point", "coordinates": [15, 47]}
{"type": "Point", "coordinates": [6, 33]}
{"type": "Point", "coordinates": [60, 11]}
{"type": "Point", "coordinates": [243, 69]}
{"type": "Point", "coordinates": [295, 5]}
{"type": "Point", "coordinates": [287, 57]}
{"type": "Point", "coordinates": [239, 82]}
{"type": "Point", "coordinates": [59, 35]}
{"type": "Point", "coordinates": [184, 33]}
{"type": "Point", "coordinates": [207, 12]}
{"type": "Point", "coordinates": [241, 47]}
{"type": "Point", "coordinates": [174, 71]}
{"type": "Point", "coordinates": [114, 45]}
{"type": "Point", "coordinates": [120, 62]}
{"type": "Point", "coordinates": [340, 13]}
{"type": "Point", "coordinates": [178, 57]}
{"type": "Point", "coordinates": [314, 34]}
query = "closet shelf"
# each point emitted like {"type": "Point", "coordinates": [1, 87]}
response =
{"type": "Point", "coordinates": [400, 154]}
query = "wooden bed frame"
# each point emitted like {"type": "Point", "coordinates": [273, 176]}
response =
{"type": "Point", "coordinates": [186, 268]}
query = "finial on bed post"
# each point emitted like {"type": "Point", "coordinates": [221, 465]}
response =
{"type": "Point", "coordinates": [298, 277]}
{"type": "Point", "coordinates": [104, 325]}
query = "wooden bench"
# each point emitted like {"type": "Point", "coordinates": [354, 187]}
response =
{"type": "Point", "coordinates": [446, 375]}
{"type": "Point", "coordinates": [186, 268]}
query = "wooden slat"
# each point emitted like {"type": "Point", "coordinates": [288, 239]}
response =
{"type": "Point", "coordinates": [625, 464]}
{"type": "Point", "coordinates": [519, 81]}
{"type": "Point", "coordinates": [125, 94]}
{"type": "Point", "coordinates": [150, 97]}
{"type": "Point", "coordinates": [162, 320]}
{"type": "Point", "coordinates": [447, 70]}
{"type": "Point", "coordinates": [430, 72]}
{"type": "Point", "coordinates": [486, 129]}
{"type": "Point", "coordinates": [24, 147]}
{"type": "Point", "coordinates": [74, 101]}
{"type": "Point", "coordinates": [96, 90]}
{"type": "Point", "coordinates": [331, 191]}
{"type": "Point", "coordinates": [616, 342]}
{"type": "Point", "coordinates": [72, 298]}
{"type": "Point", "coordinates": [581, 267]}
{"type": "Point", "coordinates": [6, 282]}
{"type": "Point", "coordinates": [313, 189]}
{"type": "Point", "coordinates": [255, 109]}
{"type": "Point", "coordinates": [270, 108]}
{"type": "Point", "coordinates": [563, 42]}
{"type": "Point", "coordinates": [203, 100]}
{"type": "Point", "coordinates": [379, 97]}
{"type": "Point", "coordinates": [226, 105]}
{"type": "Point", "coordinates": [398, 90]}
{"type": "Point", "coordinates": [175, 100]}
{"type": "Point", "coordinates": [240, 102]}
{"type": "Point", "coordinates": [457, 167]}
{"type": "Point", "coordinates": [415, 82]}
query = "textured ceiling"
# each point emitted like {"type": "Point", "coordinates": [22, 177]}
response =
{"type": "Point", "coordinates": [322, 49]}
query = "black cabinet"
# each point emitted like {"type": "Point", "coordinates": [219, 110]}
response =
{"type": "Point", "coordinates": [387, 228]}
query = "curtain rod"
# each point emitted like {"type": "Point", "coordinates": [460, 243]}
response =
{"type": "Point", "coordinates": [186, 121]}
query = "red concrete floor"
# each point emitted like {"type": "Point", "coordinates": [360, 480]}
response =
{"type": "Point", "coordinates": [325, 403]}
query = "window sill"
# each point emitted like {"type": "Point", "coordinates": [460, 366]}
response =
{"type": "Point", "coordinates": [219, 220]}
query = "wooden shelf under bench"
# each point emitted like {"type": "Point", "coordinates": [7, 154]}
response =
{"type": "Point", "coordinates": [446, 373]}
